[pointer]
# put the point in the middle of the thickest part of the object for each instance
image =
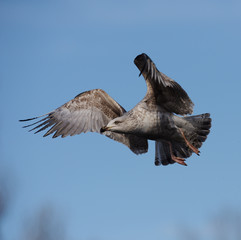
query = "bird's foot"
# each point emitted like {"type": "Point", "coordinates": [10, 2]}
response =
{"type": "Point", "coordinates": [179, 160]}
{"type": "Point", "coordinates": [189, 144]}
{"type": "Point", "coordinates": [176, 159]}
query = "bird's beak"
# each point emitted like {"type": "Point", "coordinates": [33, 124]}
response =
{"type": "Point", "coordinates": [103, 129]}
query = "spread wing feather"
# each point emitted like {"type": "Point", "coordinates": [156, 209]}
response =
{"type": "Point", "coordinates": [162, 153]}
{"type": "Point", "coordinates": [168, 93]}
{"type": "Point", "coordinates": [87, 112]}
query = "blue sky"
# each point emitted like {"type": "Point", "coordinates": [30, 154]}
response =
{"type": "Point", "coordinates": [53, 50]}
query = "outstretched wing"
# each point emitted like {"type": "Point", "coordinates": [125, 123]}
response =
{"type": "Point", "coordinates": [87, 112]}
{"type": "Point", "coordinates": [168, 93]}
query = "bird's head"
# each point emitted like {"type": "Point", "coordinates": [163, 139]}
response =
{"type": "Point", "coordinates": [116, 125]}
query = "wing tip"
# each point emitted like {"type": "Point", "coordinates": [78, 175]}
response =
{"type": "Point", "coordinates": [28, 119]}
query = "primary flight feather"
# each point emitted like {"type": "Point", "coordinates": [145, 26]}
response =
{"type": "Point", "coordinates": [153, 118]}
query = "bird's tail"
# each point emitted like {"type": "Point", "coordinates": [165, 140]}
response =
{"type": "Point", "coordinates": [195, 129]}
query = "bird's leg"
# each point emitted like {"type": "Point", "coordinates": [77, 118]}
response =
{"type": "Point", "coordinates": [176, 159]}
{"type": "Point", "coordinates": [189, 144]}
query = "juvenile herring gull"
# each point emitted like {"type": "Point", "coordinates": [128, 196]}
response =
{"type": "Point", "coordinates": [153, 118]}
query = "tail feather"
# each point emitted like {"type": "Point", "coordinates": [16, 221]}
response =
{"type": "Point", "coordinates": [181, 150]}
{"type": "Point", "coordinates": [162, 153]}
{"type": "Point", "coordinates": [196, 129]}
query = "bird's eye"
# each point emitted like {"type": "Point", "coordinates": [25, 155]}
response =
{"type": "Point", "coordinates": [117, 122]}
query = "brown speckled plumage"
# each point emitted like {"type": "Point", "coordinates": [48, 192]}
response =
{"type": "Point", "coordinates": [153, 118]}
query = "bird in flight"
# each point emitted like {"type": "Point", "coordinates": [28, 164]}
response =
{"type": "Point", "coordinates": [155, 117]}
